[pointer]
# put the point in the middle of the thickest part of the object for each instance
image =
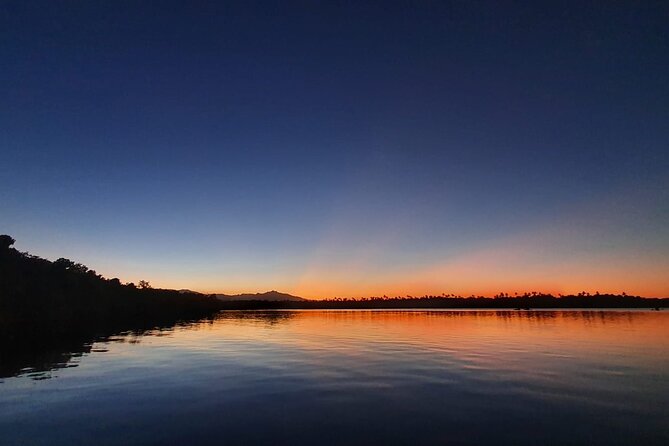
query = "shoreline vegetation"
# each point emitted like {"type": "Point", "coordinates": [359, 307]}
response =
{"type": "Point", "coordinates": [526, 301]}
{"type": "Point", "coordinates": [65, 305]}
{"type": "Point", "coordinates": [51, 309]}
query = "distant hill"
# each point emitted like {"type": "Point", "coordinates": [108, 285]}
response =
{"type": "Point", "coordinates": [269, 296]}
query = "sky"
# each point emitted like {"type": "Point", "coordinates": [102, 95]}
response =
{"type": "Point", "coordinates": [341, 149]}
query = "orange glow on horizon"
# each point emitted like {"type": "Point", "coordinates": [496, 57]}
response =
{"type": "Point", "coordinates": [556, 259]}
{"type": "Point", "coordinates": [484, 274]}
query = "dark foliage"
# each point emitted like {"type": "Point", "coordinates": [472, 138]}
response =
{"type": "Point", "coordinates": [524, 301]}
{"type": "Point", "coordinates": [44, 303]}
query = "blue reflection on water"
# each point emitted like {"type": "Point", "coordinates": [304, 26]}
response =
{"type": "Point", "coordinates": [359, 377]}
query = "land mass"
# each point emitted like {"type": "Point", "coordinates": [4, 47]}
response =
{"type": "Point", "coordinates": [526, 301]}
{"type": "Point", "coordinates": [269, 296]}
{"type": "Point", "coordinates": [45, 303]}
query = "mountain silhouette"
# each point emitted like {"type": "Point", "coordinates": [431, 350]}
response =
{"type": "Point", "coordinates": [270, 296]}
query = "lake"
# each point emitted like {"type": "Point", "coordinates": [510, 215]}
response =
{"type": "Point", "coordinates": [359, 377]}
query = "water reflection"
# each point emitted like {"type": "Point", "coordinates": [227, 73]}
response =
{"type": "Point", "coordinates": [359, 377]}
{"type": "Point", "coordinates": [270, 317]}
{"type": "Point", "coordinates": [38, 361]}
{"type": "Point", "coordinates": [337, 326]}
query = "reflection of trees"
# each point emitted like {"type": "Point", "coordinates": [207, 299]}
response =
{"type": "Point", "coordinates": [268, 318]}
{"type": "Point", "coordinates": [38, 361]}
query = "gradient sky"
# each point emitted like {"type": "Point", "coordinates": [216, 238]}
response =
{"type": "Point", "coordinates": [341, 148]}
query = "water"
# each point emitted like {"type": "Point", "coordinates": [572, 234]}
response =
{"type": "Point", "coordinates": [359, 377]}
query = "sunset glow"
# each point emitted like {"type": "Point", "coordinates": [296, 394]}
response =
{"type": "Point", "coordinates": [409, 158]}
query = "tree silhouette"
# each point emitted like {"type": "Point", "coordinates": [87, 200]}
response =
{"type": "Point", "coordinates": [6, 241]}
{"type": "Point", "coordinates": [45, 304]}
{"type": "Point", "coordinates": [69, 265]}
{"type": "Point", "coordinates": [144, 284]}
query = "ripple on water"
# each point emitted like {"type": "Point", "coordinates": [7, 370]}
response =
{"type": "Point", "coordinates": [318, 377]}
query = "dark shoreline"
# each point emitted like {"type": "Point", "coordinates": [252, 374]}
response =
{"type": "Point", "coordinates": [498, 303]}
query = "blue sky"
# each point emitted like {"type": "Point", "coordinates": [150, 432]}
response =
{"type": "Point", "coordinates": [352, 148]}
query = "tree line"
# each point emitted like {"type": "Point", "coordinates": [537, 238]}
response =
{"type": "Point", "coordinates": [44, 302]}
{"type": "Point", "coordinates": [522, 301]}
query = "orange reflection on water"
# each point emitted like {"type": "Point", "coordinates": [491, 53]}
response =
{"type": "Point", "coordinates": [489, 337]}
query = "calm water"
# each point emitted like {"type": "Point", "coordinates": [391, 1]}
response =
{"type": "Point", "coordinates": [360, 377]}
